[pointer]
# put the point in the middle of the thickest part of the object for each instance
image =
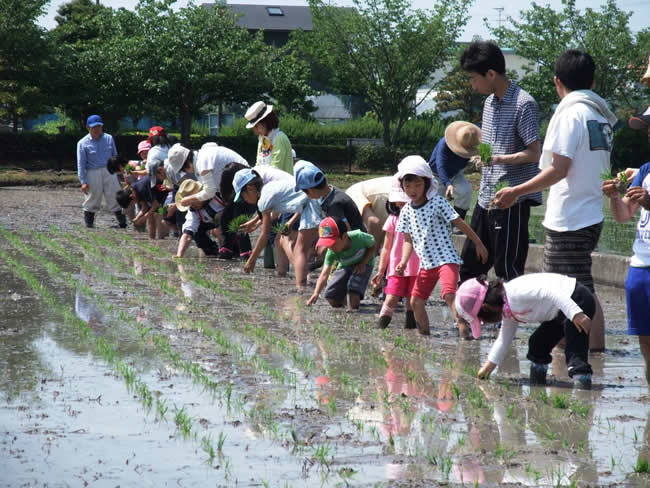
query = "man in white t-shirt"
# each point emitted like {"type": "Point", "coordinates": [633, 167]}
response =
{"type": "Point", "coordinates": [576, 152]}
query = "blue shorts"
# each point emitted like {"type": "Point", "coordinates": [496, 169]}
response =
{"type": "Point", "coordinates": [637, 295]}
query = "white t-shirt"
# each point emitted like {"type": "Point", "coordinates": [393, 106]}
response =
{"type": "Point", "coordinates": [585, 136]}
{"type": "Point", "coordinates": [641, 247]}
{"type": "Point", "coordinates": [282, 197]}
{"type": "Point", "coordinates": [428, 226]}
{"type": "Point", "coordinates": [205, 214]}
{"type": "Point", "coordinates": [536, 297]}
{"type": "Point", "coordinates": [215, 158]}
{"type": "Point", "coordinates": [271, 173]}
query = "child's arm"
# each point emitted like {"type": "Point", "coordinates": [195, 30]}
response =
{"type": "Point", "coordinates": [292, 220]}
{"type": "Point", "coordinates": [499, 348]}
{"type": "Point", "coordinates": [406, 254]}
{"type": "Point", "coordinates": [320, 284]}
{"type": "Point", "coordinates": [261, 242]}
{"type": "Point", "coordinates": [384, 258]}
{"type": "Point", "coordinates": [251, 225]}
{"type": "Point", "coordinates": [141, 217]}
{"type": "Point", "coordinates": [360, 267]}
{"type": "Point", "coordinates": [481, 250]}
{"type": "Point", "coordinates": [622, 208]}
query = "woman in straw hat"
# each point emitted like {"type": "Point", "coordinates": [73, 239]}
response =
{"type": "Point", "coordinates": [448, 160]}
{"type": "Point", "coordinates": [273, 147]}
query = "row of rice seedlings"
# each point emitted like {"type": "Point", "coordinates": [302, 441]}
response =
{"type": "Point", "coordinates": [133, 382]}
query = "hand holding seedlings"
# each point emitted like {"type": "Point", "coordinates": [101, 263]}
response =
{"type": "Point", "coordinates": [498, 188]}
{"type": "Point", "coordinates": [582, 322]}
{"type": "Point", "coordinates": [620, 183]}
{"type": "Point", "coordinates": [484, 158]}
{"type": "Point", "coordinates": [505, 198]}
{"type": "Point", "coordinates": [235, 225]}
{"type": "Point", "coordinates": [312, 299]}
{"type": "Point", "coordinates": [638, 195]}
{"type": "Point", "coordinates": [485, 372]}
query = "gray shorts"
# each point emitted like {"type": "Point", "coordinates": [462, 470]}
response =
{"type": "Point", "coordinates": [344, 281]}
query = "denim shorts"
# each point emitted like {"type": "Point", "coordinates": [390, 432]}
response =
{"type": "Point", "coordinates": [344, 281]}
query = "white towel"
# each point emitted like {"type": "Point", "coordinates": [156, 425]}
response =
{"type": "Point", "coordinates": [577, 96]}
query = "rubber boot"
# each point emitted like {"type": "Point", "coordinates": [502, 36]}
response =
{"type": "Point", "coordinates": [89, 219]}
{"type": "Point", "coordinates": [269, 259]}
{"type": "Point", "coordinates": [121, 219]}
{"type": "Point", "coordinates": [410, 322]}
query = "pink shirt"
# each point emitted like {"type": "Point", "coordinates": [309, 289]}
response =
{"type": "Point", "coordinates": [413, 265]}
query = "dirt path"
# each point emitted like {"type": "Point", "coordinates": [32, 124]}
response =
{"type": "Point", "coordinates": [122, 366]}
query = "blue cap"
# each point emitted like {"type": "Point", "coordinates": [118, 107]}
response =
{"type": "Point", "coordinates": [307, 175]}
{"type": "Point", "coordinates": [94, 120]}
{"type": "Point", "coordinates": [242, 178]}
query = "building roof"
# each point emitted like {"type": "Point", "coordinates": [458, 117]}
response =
{"type": "Point", "coordinates": [272, 17]}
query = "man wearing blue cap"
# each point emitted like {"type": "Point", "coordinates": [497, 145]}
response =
{"type": "Point", "coordinates": [333, 201]}
{"type": "Point", "coordinates": [93, 152]}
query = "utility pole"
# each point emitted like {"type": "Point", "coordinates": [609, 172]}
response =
{"type": "Point", "coordinates": [499, 9]}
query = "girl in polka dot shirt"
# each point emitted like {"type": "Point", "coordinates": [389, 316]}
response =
{"type": "Point", "coordinates": [425, 224]}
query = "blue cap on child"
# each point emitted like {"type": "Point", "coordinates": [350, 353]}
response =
{"type": "Point", "coordinates": [242, 178]}
{"type": "Point", "coordinates": [307, 175]}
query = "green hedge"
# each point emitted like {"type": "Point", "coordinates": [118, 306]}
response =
{"type": "Point", "coordinates": [630, 149]}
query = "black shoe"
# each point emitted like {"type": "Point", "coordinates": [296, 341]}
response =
{"type": "Point", "coordinates": [225, 254]}
{"type": "Point", "coordinates": [383, 321]}
{"type": "Point", "coordinates": [89, 219]}
{"type": "Point", "coordinates": [538, 373]}
{"type": "Point", "coordinates": [410, 322]}
{"type": "Point", "coordinates": [121, 219]}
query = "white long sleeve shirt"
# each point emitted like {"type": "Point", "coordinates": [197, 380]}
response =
{"type": "Point", "coordinates": [536, 297]}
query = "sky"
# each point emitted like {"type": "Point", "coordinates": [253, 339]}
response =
{"type": "Point", "coordinates": [479, 10]}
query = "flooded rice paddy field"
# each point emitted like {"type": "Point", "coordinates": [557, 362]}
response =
{"type": "Point", "coordinates": [124, 367]}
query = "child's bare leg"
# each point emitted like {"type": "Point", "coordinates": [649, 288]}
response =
{"type": "Point", "coordinates": [283, 254]}
{"type": "Point", "coordinates": [305, 241]}
{"type": "Point", "coordinates": [151, 226]}
{"type": "Point", "coordinates": [335, 303]}
{"type": "Point", "coordinates": [644, 343]}
{"type": "Point", "coordinates": [354, 300]}
{"type": "Point", "coordinates": [161, 227]}
{"type": "Point", "coordinates": [464, 331]}
{"type": "Point", "coordinates": [421, 317]}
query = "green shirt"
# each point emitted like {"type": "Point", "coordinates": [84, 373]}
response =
{"type": "Point", "coordinates": [275, 150]}
{"type": "Point", "coordinates": [359, 244]}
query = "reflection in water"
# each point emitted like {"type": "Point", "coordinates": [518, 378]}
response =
{"type": "Point", "coordinates": [88, 311]}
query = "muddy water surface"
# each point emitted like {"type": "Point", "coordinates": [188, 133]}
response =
{"type": "Point", "coordinates": [216, 378]}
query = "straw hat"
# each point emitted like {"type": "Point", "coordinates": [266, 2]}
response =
{"type": "Point", "coordinates": [187, 188]}
{"type": "Point", "coordinates": [463, 138]}
{"type": "Point", "coordinates": [257, 112]}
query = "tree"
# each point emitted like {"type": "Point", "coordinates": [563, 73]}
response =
{"type": "Point", "coordinates": [23, 55]}
{"type": "Point", "coordinates": [197, 56]}
{"type": "Point", "coordinates": [455, 93]}
{"type": "Point", "coordinates": [383, 50]}
{"type": "Point", "coordinates": [543, 34]}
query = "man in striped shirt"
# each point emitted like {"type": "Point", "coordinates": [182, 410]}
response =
{"type": "Point", "coordinates": [510, 125]}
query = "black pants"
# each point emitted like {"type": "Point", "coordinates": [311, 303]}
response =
{"type": "Point", "coordinates": [203, 241]}
{"type": "Point", "coordinates": [505, 235]}
{"type": "Point", "coordinates": [548, 334]}
{"type": "Point", "coordinates": [236, 242]}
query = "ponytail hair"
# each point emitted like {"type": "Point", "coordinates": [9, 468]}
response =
{"type": "Point", "coordinates": [494, 296]}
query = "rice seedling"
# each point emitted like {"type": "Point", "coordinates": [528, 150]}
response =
{"type": "Point", "coordinates": [220, 441]}
{"type": "Point", "coordinates": [346, 474]}
{"type": "Point", "coordinates": [460, 441]}
{"type": "Point", "coordinates": [237, 222]}
{"type": "Point", "coordinates": [162, 210]}
{"type": "Point", "coordinates": [560, 401]}
{"type": "Point", "coordinates": [281, 228]}
{"type": "Point", "coordinates": [183, 422]}
{"type": "Point", "coordinates": [642, 466]}
{"type": "Point", "coordinates": [581, 409]}
{"type": "Point", "coordinates": [207, 447]}
{"type": "Point", "coordinates": [509, 411]}
{"type": "Point", "coordinates": [476, 398]}
{"type": "Point", "coordinates": [485, 154]}
{"type": "Point", "coordinates": [161, 408]}
{"type": "Point", "coordinates": [503, 453]}
{"type": "Point", "coordinates": [445, 466]}
{"type": "Point", "coordinates": [322, 455]}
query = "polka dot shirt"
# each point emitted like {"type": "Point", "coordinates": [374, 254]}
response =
{"type": "Point", "coordinates": [428, 225]}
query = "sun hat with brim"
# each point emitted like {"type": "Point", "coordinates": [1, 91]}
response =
{"type": "Point", "coordinates": [469, 298]}
{"type": "Point", "coordinates": [257, 112]}
{"type": "Point", "coordinates": [152, 169]}
{"type": "Point", "coordinates": [328, 232]}
{"type": "Point", "coordinates": [308, 175]}
{"type": "Point", "coordinates": [94, 120]}
{"type": "Point", "coordinates": [143, 146]}
{"type": "Point", "coordinates": [463, 138]}
{"type": "Point", "coordinates": [396, 193]}
{"type": "Point", "coordinates": [242, 178]}
{"type": "Point", "coordinates": [416, 165]}
{"type": "Point", "coordinates": [177, 155]}
{"type": "Point", "coordinates": [187, 188]}
{"type": "Point", "coordinates": [640, 121]}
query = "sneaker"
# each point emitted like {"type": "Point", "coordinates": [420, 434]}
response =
{"type": "Point", "coordinates": [383, 321]}
{"type": "Point", "coordinates": [538, 373]}
{"type": "Point", "coordinates": [583, 381]}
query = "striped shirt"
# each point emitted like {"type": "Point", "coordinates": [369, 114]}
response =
{"type": "Point", "coordinates": [509, 126]}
